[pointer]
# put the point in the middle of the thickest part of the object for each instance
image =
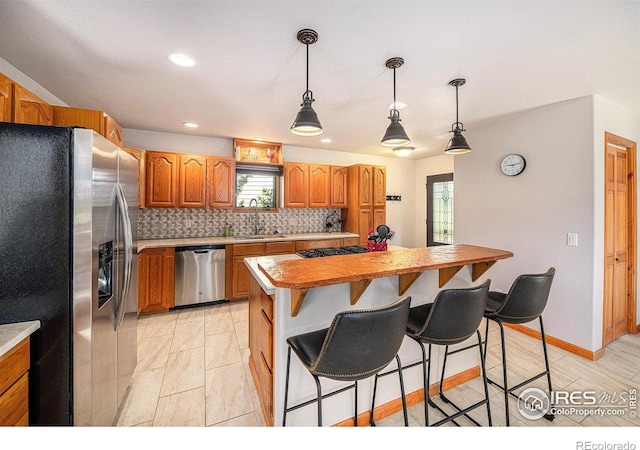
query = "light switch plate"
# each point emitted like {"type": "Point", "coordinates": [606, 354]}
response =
{"type": "Point", "coordinates": [572, 239]}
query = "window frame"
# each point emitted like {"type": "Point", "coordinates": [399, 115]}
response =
{"type": "Point", "coordinates": [258, 169]}
{"type": "Point", "coordinates": [431, 180]}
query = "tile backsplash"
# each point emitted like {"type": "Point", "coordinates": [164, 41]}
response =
{"type": "Point", "coordinates": [169, 223]}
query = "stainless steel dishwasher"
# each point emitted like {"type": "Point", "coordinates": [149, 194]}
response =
{"type": "Point", "coordinates": [199, 274]}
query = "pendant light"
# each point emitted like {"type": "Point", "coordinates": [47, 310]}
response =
{"type": "Point", "coordinates": [395, 135]}
{"type": "Point", "coordinates": [458, 144]}
{"type": "Point", "coordinates": [307, 123]}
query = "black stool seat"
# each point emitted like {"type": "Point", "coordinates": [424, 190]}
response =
{"type": "Point", "coordinates": [357, 345]}
{"type": "Point", "coordinates": [525, 301]}
{"type": "Point", "coordinates": [453, 317]}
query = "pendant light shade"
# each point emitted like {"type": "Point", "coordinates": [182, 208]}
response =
{"type": "Point", "coordinates": [395, 135]}
{"type": "Point", "coordinates": [307, 122]}
{"type": "Point", "coordinates": [458, 144]}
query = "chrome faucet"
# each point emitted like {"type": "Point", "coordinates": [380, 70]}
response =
{"type": "Point", "coordinates": [255, 220]}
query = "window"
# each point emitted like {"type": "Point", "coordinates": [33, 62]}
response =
{"type": "Point", "coordinates": [260, 183]}
{"type": "Point", "coordinates": [440, 209]}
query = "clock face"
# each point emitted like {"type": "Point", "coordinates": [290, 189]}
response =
{"type": "Point", "coordinates": [513, 165]}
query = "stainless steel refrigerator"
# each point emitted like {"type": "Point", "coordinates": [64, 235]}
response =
{"type": "Point", "coordinates": [68, 230]}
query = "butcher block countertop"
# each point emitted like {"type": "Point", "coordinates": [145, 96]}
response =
{"type": "Point", "coordinates": [314, 272]}
{"type": "Point", "coordinates": [300, 275]}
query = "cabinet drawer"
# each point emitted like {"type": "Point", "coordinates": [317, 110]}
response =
{"type": "Point", "coordinates": [265, 339]}
{"type": "Point", "coordinates": [274, 248]}
{"type": "Point", "coordinates": [14, 404]}
{"type": "Point", "coordinates": [14, 364]}
{"type": "Point", "coordinates": [266, 303]}
{"type": "Point", "coordinates": [321, 243]}
{"type": "Point", "coordinates": [248, 249]}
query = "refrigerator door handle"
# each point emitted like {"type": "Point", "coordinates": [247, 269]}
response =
{"type": "Point", "coordinates": [128, 252]}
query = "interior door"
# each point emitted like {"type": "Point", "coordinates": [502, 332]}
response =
{"type": "Point", "coordinates": [619, 293]}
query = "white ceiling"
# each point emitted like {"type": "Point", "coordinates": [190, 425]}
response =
{"type": "Point", "coordinates": [250, 73]}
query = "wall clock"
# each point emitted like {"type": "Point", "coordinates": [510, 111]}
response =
{"type": "Point", "coordinates": [513, 164]}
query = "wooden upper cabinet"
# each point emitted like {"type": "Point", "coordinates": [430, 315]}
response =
{"type": "Point", "coordinates": [99, 121]}
{"type": "Point", "coordinates": [379, 187]}
{"type": "Point", "coordinates": [113, 131]}
{"type": "Point", "coordinates": [339, 179]}
{"type": "Point", "coordinates": [6, 98]}
{"type": "Point", "coordinates": [221, 182]}
{"type": "Point", "coordinates": [192, 181]}
{"type": "Point", "coordinates": [29, 108]}
{"type": "Point", "coordinates": [141, 157]}
{"type": "Point", "coordinates": [319, 186]}
{"type": "Point", "coordinates": [365, 183]}
{"type": "Point", "coordinates": [296, 181]}
{"type": "Point", "coordinates": [161, 180]}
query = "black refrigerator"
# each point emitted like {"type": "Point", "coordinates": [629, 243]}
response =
{"type": "Point", "coordinates": [68, 230]}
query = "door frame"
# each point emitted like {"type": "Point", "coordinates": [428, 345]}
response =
{"type": "Point", "coordinates": [630, 146]}
{"type": "Point", "coordinates": [431, 179]}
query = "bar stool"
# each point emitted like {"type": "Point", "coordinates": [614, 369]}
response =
{"type": "Point", "coordinates": [525, 301]}
{"type": "Point", "coordinates": [453, 317]}
{"type": "Point", "coordinates": [357, 345]}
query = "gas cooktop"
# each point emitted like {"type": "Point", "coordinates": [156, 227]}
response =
{"type": "Point", "coordinates": [332, 251]}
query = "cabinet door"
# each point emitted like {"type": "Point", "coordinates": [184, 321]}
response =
{"type": "Point", "coordinates": [141, 156]}
{"type": "Point", "coordinates": [156, 282]}
{"type": "Point", "coordinates": [221, 176]}
{"type": "Point", "coordinates": [112, 130]}
{"type": "Point", "coordinates": [365, 185]}
{"type": "Point", "coordinates": [365, 223]}
{"type": "Point", "coordinates": [29, 108]}
{"type": "Point", "coordinates": [319, 186]}
{"type": "Point", "coordinates": [192, 181]}
{"type": "Point", "coordinates": [339, 178]}
{"type": "Point", "coordinates": [162, 180]}
{"type": "Point", "coordinates": [76, 117]}
{"type": "Point", "coordinates": [379, 187]}
{"type": "Point", "coordinates": [296, 182]}
{"type": "Point", "coordinates": [6, 98]}
{"type": "Point", "coordinates": [379, 217]}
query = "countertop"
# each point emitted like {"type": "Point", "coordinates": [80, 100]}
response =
{"type": "Point", "coordinates": [261, 278]}
{"type": "Point", "coordinates": [221, 240]}
{"type": "Point", "coordinates": [12, 334]}
{"type": "Point", "coordinates": [314, 272]}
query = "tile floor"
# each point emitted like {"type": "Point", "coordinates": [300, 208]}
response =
{"type": "Point", "coordinates": [192, 372]}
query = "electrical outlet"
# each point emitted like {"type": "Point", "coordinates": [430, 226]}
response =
{"type": "Point", "coordinates": [293, 221]}
{"type": "Point", "coordinates": [572, 239]}
{"type": "Point", "coordinates": [188, 223]}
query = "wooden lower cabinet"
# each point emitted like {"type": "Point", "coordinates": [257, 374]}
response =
{"type": "Point", "coordinates": [156, 280]}
{"type": "Point", "coordinates": [14, 386]}
{"type": "Point", "coordinates": [261, 346]}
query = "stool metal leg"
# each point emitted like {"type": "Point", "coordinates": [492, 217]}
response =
{"type": "Point", "coordinates": [286, 388]}
{"type": "Point", "coordinates": [484, 377]}
{"type": "Point", "coordinates": [402, 393]}
{"type": "Point", "coordinates": [355, 406]}
{"type": "Point", "coordinates": [319, 389]}
{"type": "Point", "coordinates": [547, 416]}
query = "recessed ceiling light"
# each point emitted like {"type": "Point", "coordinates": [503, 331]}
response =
{"type": "Point", "coordinates": [399, 105]}
{"type": "Point", "coordinates": [190, 125]}
{"type": "Point", "coordinates": [181, 60]}
{"type": "Point", "coordinates": [325, 140]}
{"type": "Point", "coordinates": [259, 139]}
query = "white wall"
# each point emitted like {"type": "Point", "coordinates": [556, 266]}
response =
{"type": "Point", "coordinates": [560, 191]}
{"type": "Point", "coordinates": [400, 172]}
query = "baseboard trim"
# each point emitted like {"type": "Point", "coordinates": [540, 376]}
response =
{"type": "Point", "coordinates": [564, 345]}
{"type": "Point", "coordinates": [412, 398]}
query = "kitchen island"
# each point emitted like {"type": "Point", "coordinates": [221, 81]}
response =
{"type": "Point", "coordinates": [289, 295]}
